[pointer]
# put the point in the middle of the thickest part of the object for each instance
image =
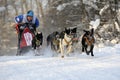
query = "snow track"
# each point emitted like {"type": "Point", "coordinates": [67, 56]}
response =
{"type": "Point", "coordinates": [104, 66]}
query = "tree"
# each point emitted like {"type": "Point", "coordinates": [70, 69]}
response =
{"type": "Point", "coordinates": [85, 17]}
{"type": "Point", "coordinates": [22, 7]}
{"type": "Point", "coordinates": [40, 12]}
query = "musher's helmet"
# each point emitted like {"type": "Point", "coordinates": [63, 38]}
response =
{"type": "Point", "coordinates": [30, 13]}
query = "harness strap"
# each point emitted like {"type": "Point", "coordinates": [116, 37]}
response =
{"type": "Point", "coordinates": [55, 41]}
{"type": "Point", "coordinates": [68, 43]}
{"type": "Point", "coordinates": [89, 42]}
{"type": "Point", "coordinates": [37, 41]}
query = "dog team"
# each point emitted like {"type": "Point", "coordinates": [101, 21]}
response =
{"type": "Point", "coordinates": [63, 42]}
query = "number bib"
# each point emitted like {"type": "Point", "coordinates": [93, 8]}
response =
{"type": "Point", "coordinates": [28, 38]}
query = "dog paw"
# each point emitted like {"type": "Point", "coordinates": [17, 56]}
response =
{"type": "Point", "coordinates": [92, 55]}
{"type": "Point", "coordinates": [62, 56]}
{"type": "Point", "coordinates": [87, 53]}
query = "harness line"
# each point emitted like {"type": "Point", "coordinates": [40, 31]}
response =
{"type": "Point", "coordinates": [89, 42]}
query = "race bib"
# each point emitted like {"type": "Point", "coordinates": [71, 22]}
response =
{"type": "Point", "coordinates": [28, 38]}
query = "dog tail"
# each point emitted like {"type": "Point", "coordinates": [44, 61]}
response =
{"type": "Point", "coordinates": [92, 31]}
{"type": "Point", "coordinates": [48, 41]}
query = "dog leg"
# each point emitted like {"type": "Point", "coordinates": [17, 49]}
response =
{"type": "Point", "coordinates": [62, 51]}
{"type": "Point", "coordinates": [92, 50]}
{"type": "Point", "coordinates": [51, 46]}
{"type": "Point", "coordinates": [58, 49]}
{"type": "Point", "coordinates": [69, 50]}
{"type": "Point", "coordinates": [92, 53]}
{"type": "Point", "coordinates": [82, 48]}
{"type": "Point", "coordinates": [61, 48]}
{"type": "Point", "coordinates": [87, 52]}
{"type": "Point", "coordinates": [19, 52]}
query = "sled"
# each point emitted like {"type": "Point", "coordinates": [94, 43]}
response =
{"type": "Point", "coordinates": [25, 41]}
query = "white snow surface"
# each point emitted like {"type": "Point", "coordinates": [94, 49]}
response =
{"type": "Point", "coordinates": [105, 65]}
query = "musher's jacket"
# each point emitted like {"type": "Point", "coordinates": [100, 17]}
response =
{"type": "Point", "coordinates": [23, 19]}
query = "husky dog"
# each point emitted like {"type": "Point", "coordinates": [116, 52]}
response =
{"type": "Point", "coordinates": [53, 40]}
{"type": "Point", "coordinates": [66, 42]}
{"type": "Point", "coordinates": [88, 40]}
{"type": "Point", "coordinates": [62, 41]}
{"type": "Point", "coordinates": [37, 40]}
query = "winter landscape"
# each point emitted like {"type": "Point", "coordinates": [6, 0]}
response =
{"type": "Point", "coordinates": [104, 65]}
{"type": "Point", "coordinates": [55, 15]}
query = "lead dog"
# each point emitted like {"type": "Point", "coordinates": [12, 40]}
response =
{"type": "Point", "coordinates": [88, 40]}
{"type": "Point", "coordinates": [66, 40]}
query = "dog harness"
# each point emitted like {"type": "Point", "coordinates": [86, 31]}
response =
{"type": "Point", "coordinates": [89, 42]}
{"type": "Point", "coordinates": [37, 42]}
{"type": "Point", "coordinates": [56, 42]}
{"type": "Point", "coordinates": [68, 43]}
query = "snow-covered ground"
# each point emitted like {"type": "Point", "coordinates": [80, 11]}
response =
{"type": "Point", "coordinates": [105, 65]}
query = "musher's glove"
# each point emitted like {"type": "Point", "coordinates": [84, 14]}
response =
{"type": "Point", "coordinates": [22, 27]}
{"type": "Point", "coordinates": [31, 27]}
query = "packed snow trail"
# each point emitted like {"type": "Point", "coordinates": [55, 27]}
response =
{"type": "Point", "coordinates": [104, 66]}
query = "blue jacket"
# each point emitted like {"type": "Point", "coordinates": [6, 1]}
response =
{"type": "Point", "coordinates": [23, 19]}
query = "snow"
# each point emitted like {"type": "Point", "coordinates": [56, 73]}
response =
{"type": "Point", "coordinates": [91, 3]}
{"type": "Point", "coordinates": [114, 41]}
{"type": "Point", "coordinates": [103, 9]}
{"type": "Point", "coordinates": [2, 9]}
{"type": "Point", "coordinates": [62, 6]}
{"type": "Point", "coordinates": [105, 65]}
{"type": "Point", "coordinates": [44, 3]}
{"type": "Point", "coordinates": [17, 3]}
{"type": "Point", "coordinates": [95, 24]}
{"type": "Point", "coordinates": [117, 26]}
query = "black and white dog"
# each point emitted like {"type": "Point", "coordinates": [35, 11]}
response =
{"type": "Point", "coordinates": [37, 40]}
{"type": "Point", "coordinates": [74, 33]}
{"type": "Point", "coordinates": [88, 40]}
{"type": "Point", "coordinates": [66, 41]}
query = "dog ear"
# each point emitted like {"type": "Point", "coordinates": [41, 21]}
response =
{"type": "Point", "coordinates": [92, 31]}
{"type": "Point", "coordinates": [68, 31]}
{"type": "Point", "coordinates": [87, 32]}
{"type": "Point", "coordinates": [65, 29]}
{"type": "Point", "coordinates": [74, 30]}
{"type": "Point", "coordinates": [57, 32]}
{"type": "Point", "coordinates": [84, 31]}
